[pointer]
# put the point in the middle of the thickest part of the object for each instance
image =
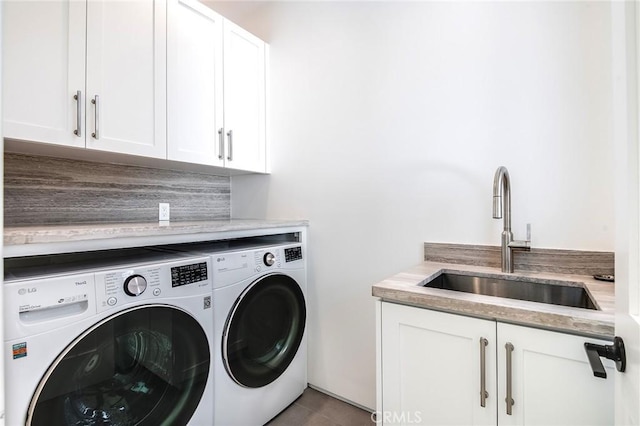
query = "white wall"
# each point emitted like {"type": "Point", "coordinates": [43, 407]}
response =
{"type": "Point", "coordinates": [388, 120]}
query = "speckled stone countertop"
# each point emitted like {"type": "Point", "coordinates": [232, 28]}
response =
{"type": "Point", "coordinates": [37, 240]}
{"type": "Point", "coordinates": [407, 288]}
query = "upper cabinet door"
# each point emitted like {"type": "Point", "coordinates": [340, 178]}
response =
{"type": "Point", "coordinates": [194, 84]}
{"type": "Point", "coordinates": [126, 76]}
{"type": "Point", "coordinates": [244, 99]}
{"type": "Point", "coordinates": [43, 48]}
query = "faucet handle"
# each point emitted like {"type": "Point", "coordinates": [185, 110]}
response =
{"type": "Point", "coordinates": [526, 244]}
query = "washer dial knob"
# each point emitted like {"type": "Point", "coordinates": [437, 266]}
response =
{"type": "Point", "coordinates": [269, 259]}
{"type": "Point", "coordinates": [135, 285]}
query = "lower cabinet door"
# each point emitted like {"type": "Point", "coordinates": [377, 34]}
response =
{"type": "Point", "coordinates": [551, 380]}
{"type": "Point", "coordinates": [431, 368]}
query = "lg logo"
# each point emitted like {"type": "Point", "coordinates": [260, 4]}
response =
{"type": "Point", "coordinates": [24, 291]}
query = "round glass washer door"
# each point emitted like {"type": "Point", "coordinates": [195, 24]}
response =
{"type": "Point", "coordinates": [144, 366]}
{"type": "Point", "coordinates": [264, 330]}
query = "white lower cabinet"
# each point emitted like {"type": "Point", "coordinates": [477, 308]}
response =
{"type": "Point", "coordinates": [431, 367]}
{"type": "Point", "coordinates": [552, 381]}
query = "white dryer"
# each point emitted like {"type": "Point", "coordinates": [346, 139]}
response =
{"type": "Point", "coordinates": [260, 358]}
{"type": "Point", "coordinates": [128, 345]}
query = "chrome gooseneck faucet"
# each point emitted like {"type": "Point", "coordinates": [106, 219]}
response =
{"type": "Point", "coordinates": [502, 209]}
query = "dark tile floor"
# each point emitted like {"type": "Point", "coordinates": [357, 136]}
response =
{"type": "Point", "coordinates": [315, 408]}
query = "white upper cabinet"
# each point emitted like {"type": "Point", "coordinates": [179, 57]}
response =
{"type": "Point", "coordinates": [194, 84]}
{"type": "Point", "coordinates": [110, 53]}
{"type": "Point", "coordinates": [216, 90]}
{"type": "Point", "coordinates": [244, 99]}
{"type": "Point", "coordinates": [169, 80]}
{"type": "Point", "coordinates": [43, 69]}
{"type": "Point", "coordinates": [126, 77]}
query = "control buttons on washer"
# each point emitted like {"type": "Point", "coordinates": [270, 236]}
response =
{"type": "Point", "coordinates": [157, 291]}
{"type": "Point", "coordinates": [269, 259]}
{"type": "Point", "coordinates": [112, 301]}
{"type": "Point", "coordinates": [135, 285]}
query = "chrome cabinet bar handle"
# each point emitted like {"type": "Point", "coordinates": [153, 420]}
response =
{"type": "Point", "coordinates": [96, 102]}
{"type": "Point", "coordinates": [221, 143]}
{"type": "Point", "coordinates": [78, 98]}
{"type": "Point", "coordinates": [230, 153]}
{"type": "Point", "coordinates": [509, 399]}
{"type": "Point", "coordinates": [483, 372]}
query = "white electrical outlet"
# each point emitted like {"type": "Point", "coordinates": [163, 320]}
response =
{"type": "Point", "coordinates": [163, 211]}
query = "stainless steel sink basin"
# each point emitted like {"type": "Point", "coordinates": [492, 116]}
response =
{"type": "Point", "coordinates": [555, 293]}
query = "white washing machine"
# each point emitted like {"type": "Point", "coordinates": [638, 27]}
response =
{"type": "Point", "coordinates": [260, 357]}
{"type": "Point", "coordinates": [118, 344]}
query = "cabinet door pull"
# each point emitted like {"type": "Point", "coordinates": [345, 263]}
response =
{"type": "Point", "coordinates": [221, 143]}
{"type": "Point", "coordinates": [78, 98]}
{"type": "Point", "coordinates": [96, 101]}
{"type": "Point", "coordinates": [509, 399]}
{"type": "Point", "coordinates": [230, 152]}
{"type": "Point", "coordinates": [483, 372]}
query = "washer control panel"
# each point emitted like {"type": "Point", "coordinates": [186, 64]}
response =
{"type": "Point", "coordinates": [188, 274]}
{"type": "Point", "coordinates": [269, 259]}
{"type": "Point", "coordinates": [185, 277]}
{"type": "Point", "coordinates": [36, 305]}
{"type": "Point", "coordinates": [135, 285]}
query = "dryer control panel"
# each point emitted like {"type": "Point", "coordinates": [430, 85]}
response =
{"type": "Point", "coordinates": [291, 254]}
{"type": "Point", "coordinates": [276, 257]}
{"type": "Point", "coordinates": [236, 266]}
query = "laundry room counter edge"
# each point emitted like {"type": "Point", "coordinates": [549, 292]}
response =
{"type": "Point", "coordinates": [40, 240]}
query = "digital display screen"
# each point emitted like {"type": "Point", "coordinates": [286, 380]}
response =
{"type": "Point", "coordinates": [292, 253]}
{"type": "Point", "coordinates": [188, 274]}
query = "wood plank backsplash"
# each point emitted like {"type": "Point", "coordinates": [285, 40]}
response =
{"type": "Point", "coordinates": [42, 190]}
{"type": "Point", "coordinates": [535, 260]}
